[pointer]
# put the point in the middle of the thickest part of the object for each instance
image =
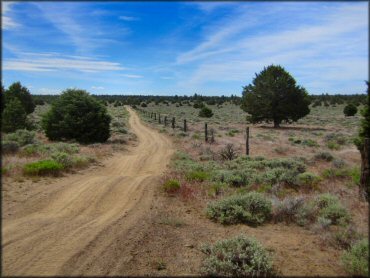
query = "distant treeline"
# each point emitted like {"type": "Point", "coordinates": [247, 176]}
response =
{"type": "Point", "coordinates": [316, 100]}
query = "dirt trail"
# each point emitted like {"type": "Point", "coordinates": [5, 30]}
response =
{"type": "Point", "coordinates": [87, 224]}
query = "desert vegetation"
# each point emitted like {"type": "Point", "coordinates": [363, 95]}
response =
{"type": "Point", "coordinates": [305, 174]}
{"type": "Point", "coordinates": [70, 133]}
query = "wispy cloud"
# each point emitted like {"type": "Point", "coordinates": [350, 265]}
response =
{"type": "Point", "coordinates": [56, 62]}
{"type": "Point", "coordinates": [97, 88]}
{"type": "Point", "coordinates": [76, 25]}
{"type": "Point", "coordinates": [7, 21]}
{"type": "Point", "coordinates": [132, 75]}
{"type": "Point", "coordinates": [128, 18]}
{"type": "Point", "coordinates": [325, 46]}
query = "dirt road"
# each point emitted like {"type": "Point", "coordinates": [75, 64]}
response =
{"type": "Point", "coordinates": [89, 223]}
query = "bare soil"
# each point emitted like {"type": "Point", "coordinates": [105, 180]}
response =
{"type": "Point", "coordinates": [86, 224]}
{"type": "Point", "coordinates": [115, 220]}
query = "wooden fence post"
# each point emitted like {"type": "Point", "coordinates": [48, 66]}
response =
{"type": "Point", "coordinates": [212, 133]}
{"type": "Point", "coordinates": [205, 132]}
{"type": "Point", "coordinates": [173, 122]}
{"type": "Point", "coordinates": [165, 120]}
{"type": "Point", "coordinates": [247, 140]}
{"type": "Point", "coordinates": [159, 118]}
{"type": "Point", "coordinates": [185, 125]}
{"type": "Point", "coordinates": [155, 116]}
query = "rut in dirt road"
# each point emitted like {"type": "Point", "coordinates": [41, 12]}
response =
{"type": "Point", "coordinates": [88, 224]}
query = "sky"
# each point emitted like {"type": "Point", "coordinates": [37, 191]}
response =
{"type": "Point", "coordinates": [168, 48]}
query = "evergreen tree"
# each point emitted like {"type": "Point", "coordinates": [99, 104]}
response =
{"type": "Point", "coordinates": [77, 115]}
{"type": "Point", "coordinates": [274, 96]}
{"type": "Point", "coordinates": [14, 116]}
{"type": "Point", "coordinates": [16, 90]}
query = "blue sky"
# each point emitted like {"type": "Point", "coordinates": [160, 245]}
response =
{"type": "Point", "coordinates": [168, 48]}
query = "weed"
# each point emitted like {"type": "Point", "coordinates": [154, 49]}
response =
{"type": "Point", "coordinates": [43, 167]}
{"type": "Point", "coordinates": [197, 176]}
{"type": "Point", "coordinates": [308, 179]}
{"type": "Point", "coordinates": [171, 186]}
{"type": "Point", "coordinates": [356, 259]}
{"type": "Point", "coordinates": [326, 156]}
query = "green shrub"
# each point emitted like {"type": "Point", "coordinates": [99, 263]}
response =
{"type": "Point", "coordinates": [336, 173]}
{"type": "Point", "coordinates": [77, 115]}
{"type": "Point", "coordinates": [251, 208]}
{"type": "Point", "coordinates": [310, 143]}
{"type": "Point", "coordinates": [66, 147]}
{"type": "Point", "coordinates": [339, 163]}
{"type": "Point", "coordinates": [288, 210]}
{"type": "Point", "coordinates": [197, 176]}
{"type": "Point", "coordinates": [356, 260]}
{"type": "Point", "coordinates": [62, 158]}
{"type": "Point", "coordinates": [332, 145]}
{"type": "Point", "coordinates": [43, 167]}
{"type": "Point", "coordinates": [330, 208]}
{"type": "Point", "coordinates": [324, 156]}
{"type": "Point", "coordinates": [240, 256]}
{"type": "Point", "coordinates": [350, 110]}
{"type": "Point", "coordinates": [308, 179]}
{"type": "Point", "coordinates": [205, 112]}
{"type": "Point", "coordinates": [171, 186]}
{"type": "Point", "coordinates": [336, 213]}
{"type": "Point", "coordinates": [20, 93]}
{"type": "Point", "coordinates": [81, 161]}
{"type": "Point", "coordinates": [14, 116]}
{"type": "Point", "coordinates": [22, 137]}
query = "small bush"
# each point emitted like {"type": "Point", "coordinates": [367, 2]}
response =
{"type": "Point", "coordinates": [332, 145]}
{"type": "Point", "coordinates": [81, 161]}
{"type": "Point", "coordinates": [308, 179]}
{"type": "Point", "coordinates": [197, 176]}
{"type": "Point", "coordinates": [330, 208]}
{"type": "Point", "coordinates": [350, 110]}
{"type": "Point", "coordinates": [339, 163]}
{"type": "Point", "coordinates": [251, 208]}
{"type": "Point", "coordinates": [240, 256]}
{"type": "Point", "coordinates": [310, 143]}
{"type": "Point", "coordinates": [289, 209]}
{"type": "Point", "coordinates": [21, 136]}
{"type": "Point", "coordinates": [171, 186]}
{"type": "Point", "coordinates": [43, 167]}
{"type": "Point", "coordinates": [205, 112]}
{"type": "Point", "coordinates": [356, 260]}
{"type": "Point", "coordinates": [62, 158]}
{"type": "Point", "coordinates": [326, 156]}
{"type": "Point", "coordinates": [228, 152]}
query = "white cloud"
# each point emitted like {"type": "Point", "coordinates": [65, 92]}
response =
{"type": "Point", "coordinates": [55, 62]}
{"type": "Point", "coordinates": [331, 46]}
{"type": "Point", "coordinates": [97, 88]}
{"type": "Point", "coordinates": [7, 21]}
{"type": "Point", "coordinates": [47, 91]}
{"type": "Point", "coordinates": [128, 18]}
{"type": "Point", "coordinates": [132, 75]}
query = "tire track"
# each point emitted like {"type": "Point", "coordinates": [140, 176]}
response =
{"type": "Point", "coordinates": [90, 224]}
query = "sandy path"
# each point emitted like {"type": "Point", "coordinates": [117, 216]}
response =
{"type": "Point", "coordinates": [88, 224]}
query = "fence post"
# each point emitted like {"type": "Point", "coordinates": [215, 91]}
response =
{"type": "Point", "coordinates": [185, 125]}
{"type": "Point", "coordinates": [205, 132]}
{"type": "Point", "coordinates": [212, 133]}
{"type": "Point", "coordinates": [247, 140]}
{"type": "Point", "coordinates": [155, 116]}
{"type": "Point", "coordinates": [165, 120]}
{"type": "Point", "coordinates": [173, 122]}
{"type": "Point", "coordinates": [159, 118]}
